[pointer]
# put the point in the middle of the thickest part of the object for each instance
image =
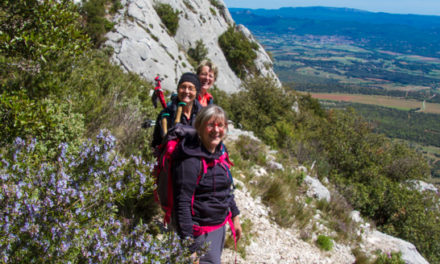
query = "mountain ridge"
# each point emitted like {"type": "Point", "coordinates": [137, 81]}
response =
{"type": "Point", "coordinates": [345, 14]}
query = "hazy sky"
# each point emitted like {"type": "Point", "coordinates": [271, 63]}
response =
{"type": "Point", "coordinates": [423, 7]}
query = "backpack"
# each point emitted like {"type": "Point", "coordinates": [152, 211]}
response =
{"type": "Point", "coordinates": [163, 170]}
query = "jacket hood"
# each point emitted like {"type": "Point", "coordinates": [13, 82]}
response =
{"type": "Point", "coordinates": [191, 146]}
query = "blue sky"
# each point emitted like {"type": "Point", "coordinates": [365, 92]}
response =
{"type": "Point", "coordinates": [423, 7]}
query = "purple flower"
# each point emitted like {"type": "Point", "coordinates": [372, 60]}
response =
{"type": "Point", "coordinates": [19, 142]}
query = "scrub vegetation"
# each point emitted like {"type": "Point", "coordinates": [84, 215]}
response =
{"type": "Point", "coordinates": [169, 17]}
{"type": "Point", "coordinates": [75, 164]}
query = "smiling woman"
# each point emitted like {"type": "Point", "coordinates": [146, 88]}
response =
{"type": "Point", "coordinates": [210, 126]}
{"type": "Point", "coordinates": [207, 73]}
{"type": "Point", "coordinates": [182, 109]}
{"type": "Point", "coordinates": [204, 200]}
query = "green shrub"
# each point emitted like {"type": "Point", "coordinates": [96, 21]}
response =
{"type": "Point", "coordinates": [337, 216]}
{"type": "Point", "coordinates": [94, 12]}
{"type": "Point", "coordinates": [324, 242]}
{"type": "Point", "coordinates": [109, 98]}
{"type": "Point", "coordinates": [216, 3]}
{"type": "Point", "coordinates": [251, 150]}
{"type": "Point", "coordinates": [46, 120]}
{"type": "Point", "coordinates": [239, 51]}
{"type": "Point", "coordinates": [116, 5]}
{"type": "Point", "coordinates": [169, 17]}
{"type": "Point", "coordinates": [219, 6]}
{"type": "Point", "coordinates": [189, 6]}
{"type": "Point", "coordinates": [387, 258]}
{"type": "Point", "coordinates": [245, 240]}
{"type": "Point", "coordinates": [258, 107]}
{"type": "Point", "coordinates": [41, 31]}
{"type": "Point", "coordinates": [222, 99]}
{"type": "Point", "coordinates": [361, 257]}
{"type": "Point", "coordinates": [199, 52]}
{"type": "Point", "coordinates": [40, 41]}
{"type": "Point", "coordinates": [213, 12]}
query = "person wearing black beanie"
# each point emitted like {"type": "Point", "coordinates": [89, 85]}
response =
{"type": "Point", "coordinates": [184, 105]}
{"type": "Point", "coordinates": [190, 77]}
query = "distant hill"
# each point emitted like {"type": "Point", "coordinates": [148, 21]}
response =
{"type": "Point", "coordinates": [345, 14]}
{"type": "Point", "coordinates": [408, 34]}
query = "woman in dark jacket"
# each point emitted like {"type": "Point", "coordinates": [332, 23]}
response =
{"type": "Point", "coordinates": [187, 91]}
{"type": "Point", "coordinates": [204, 201]}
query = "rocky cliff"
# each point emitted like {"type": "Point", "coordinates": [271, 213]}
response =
{"type": "Point", "coordinates": [143, 45]}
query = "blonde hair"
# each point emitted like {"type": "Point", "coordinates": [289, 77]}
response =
{"type": "Point", "coordinates": [211, 67]}
{"type": "Point", "coordinates": [211, 111]}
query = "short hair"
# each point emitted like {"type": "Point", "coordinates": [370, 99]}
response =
{"type": "Point", "coordinates": [207, 113]}
{"type": "Point", "coordinates": [211, 66]}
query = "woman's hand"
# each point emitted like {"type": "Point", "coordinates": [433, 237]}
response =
{"type": "Point", "coordinates": [237, 227]}
{"type": "Point", "coordinates": [195, 258]}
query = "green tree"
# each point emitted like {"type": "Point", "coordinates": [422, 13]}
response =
{"type": "Point", "coordinates": [239, 51]}
{"type": "Point", "coordinates": [199, 52]}
{"type": "Point", "coordinates": [261, 103]}
{"type": "Point", "coordinates": [40, 31]}
{"type": "Point", "coordinates": [94, 12]}
{"type": "Point", "coordinates": [39, 42]}
{"type": "Point", "coordinates": [169, 17]}
{"type": "Point", "coordinates": [43, 120]}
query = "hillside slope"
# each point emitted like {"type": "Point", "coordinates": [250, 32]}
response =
{"type": "Point", "coordinates": [143, 45]}
{"type": "Point", "coordinates": [270, 243]}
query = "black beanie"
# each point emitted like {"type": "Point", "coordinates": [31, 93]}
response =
{"type": "Point", "coordinates": [192, 78]}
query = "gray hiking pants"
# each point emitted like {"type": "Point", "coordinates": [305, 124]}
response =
{"type": "Point", "coordinates": [217, 241]}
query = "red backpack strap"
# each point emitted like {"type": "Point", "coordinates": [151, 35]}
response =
{"type": "Point", "coordinates": [200, 230]}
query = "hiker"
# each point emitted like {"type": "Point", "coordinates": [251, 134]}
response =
{"type": "Point", "coordinates": [207, 73]}
{"type": "Point", "coordinates": [158, 93]}
{"type": "Point", "coordinates": [203, 198]}
{"type": "Point", "coordinates": [187, 90]}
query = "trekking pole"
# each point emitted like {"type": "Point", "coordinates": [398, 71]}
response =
{"type": "Point", "coordinates": [165, 123]}
{"type": "Point", "coordinates": [180, 106]}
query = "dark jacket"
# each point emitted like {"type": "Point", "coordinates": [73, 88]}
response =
{"type": "Point", "coordinates": [213, 196]}
{"type": "Point", "coordinates": [170, 114]}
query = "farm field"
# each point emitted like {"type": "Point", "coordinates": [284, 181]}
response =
{"type": "Point", "coordinates": [384, 69]}
{"type": "Point", "coordinates": [386, 101]}
{"type": "Point", "coordinates": [304, 61]}
{"type": "Point", "coordinates": [320, 53]}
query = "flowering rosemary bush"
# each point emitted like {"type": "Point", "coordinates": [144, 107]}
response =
{"type": "Point", "coordinates": [65, 210]}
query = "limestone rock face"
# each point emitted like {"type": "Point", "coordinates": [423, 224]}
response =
{"type": "Point", "coordinates": [143, 45]}
{"type": "Point", "coordinates": [387, 243]}
{"type": "Point", "coordinates": [316, 189]}
{"type": "Point", "coordinates": [422, 186]}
